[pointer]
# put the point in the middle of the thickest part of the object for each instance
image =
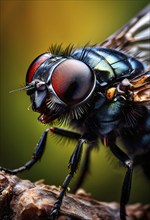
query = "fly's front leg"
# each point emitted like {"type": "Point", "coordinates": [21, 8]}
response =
{"type": "Point", "coordinates": [73, 165]}
{"type": "Point", "coordinates": [126, 187]}
{"type": "Point", "coordinates": [40, 149]}
{"type": "Point", "coordinates": [35, 157]}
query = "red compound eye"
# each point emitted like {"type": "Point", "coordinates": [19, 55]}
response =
{"type": "Point", "coordinates": [35, 65]}
{"type": "Point", "coordinates": [73, 81]}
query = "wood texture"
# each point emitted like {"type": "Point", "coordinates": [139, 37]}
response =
{"type": "Point", "coordinates": [24, 200]}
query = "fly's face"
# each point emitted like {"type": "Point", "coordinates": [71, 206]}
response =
{"type": "Point", "coordinates": [57, 84]}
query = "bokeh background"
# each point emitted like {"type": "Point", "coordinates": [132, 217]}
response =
{"type": "Point", "coordinates": [28, 28]}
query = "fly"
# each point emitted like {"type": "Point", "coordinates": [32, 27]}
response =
{"type": "Point", "coordinates": [103, 91]}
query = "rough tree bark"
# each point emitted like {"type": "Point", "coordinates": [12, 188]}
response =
{"type": "Point", "coordinates": [24, 200]}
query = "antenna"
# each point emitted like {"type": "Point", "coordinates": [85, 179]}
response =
{"type": "Point", "coordinates": [23, 88]}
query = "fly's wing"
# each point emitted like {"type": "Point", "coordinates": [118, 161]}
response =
{"type": "Point", "coordinates": [134, 38]}
{"type": "Point", "coordinates": [140, 89]}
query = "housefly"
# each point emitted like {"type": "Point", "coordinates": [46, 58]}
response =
{"type": "Point", "coordinates": [103, 91]}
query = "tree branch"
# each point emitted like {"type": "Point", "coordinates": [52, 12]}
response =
{"type": "Point", "coordinates": [22, 200]}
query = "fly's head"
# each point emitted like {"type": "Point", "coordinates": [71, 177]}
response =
{"type": "Point", "coordinates": [58, 86]}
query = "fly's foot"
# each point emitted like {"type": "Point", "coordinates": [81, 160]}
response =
{"type": "Point", "coordinates": [54, 214]}
{"type": "Point", "coordinates": [123, 216]}
{"type": "Point", "coordinates": [55, 211]}
{"type": "Point", "coordinates": [6, 170]}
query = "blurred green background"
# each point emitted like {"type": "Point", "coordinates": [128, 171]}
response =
{"type": "Point", "coordinates": [28, 28]}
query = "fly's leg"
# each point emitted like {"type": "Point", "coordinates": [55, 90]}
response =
{"type": "Point", "coordinates": [35, 157]}
{"type": "Point", "coordinates": [85, 167]}
{"type": "Point", "coordinates": [40, 149]}
{"type": "Point", "coordinates": [65, 133]}
{"type": "Point", "coordinates": [126, 187]}
{"type": "Point", "coordinates": [73, 165]}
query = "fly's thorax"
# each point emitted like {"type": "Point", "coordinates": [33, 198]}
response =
{"type": "Point", "coordinates": [109, 65]}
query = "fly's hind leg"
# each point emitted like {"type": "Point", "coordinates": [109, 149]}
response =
{"type": "Point", "coordinates": [126, 187]}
